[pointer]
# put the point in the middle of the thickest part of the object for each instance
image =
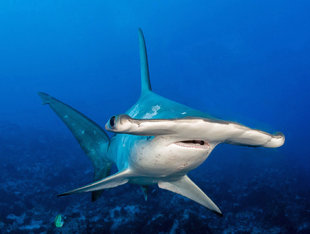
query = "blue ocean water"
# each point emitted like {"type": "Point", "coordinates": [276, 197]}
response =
{"type": "Point", "coordinates": [245, 61]}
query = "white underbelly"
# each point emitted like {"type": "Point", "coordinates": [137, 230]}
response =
{"type": "Point", "coordinates": [157, 160]}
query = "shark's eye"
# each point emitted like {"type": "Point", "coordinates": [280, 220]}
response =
{"type": "Point", "coordinates": [112, 122]}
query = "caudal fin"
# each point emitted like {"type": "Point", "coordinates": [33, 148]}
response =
{"type": "Point", "coordinates": [91, 137]}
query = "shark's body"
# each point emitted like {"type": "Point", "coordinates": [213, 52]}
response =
{"type": "Point", "coordinates": [157, 141]}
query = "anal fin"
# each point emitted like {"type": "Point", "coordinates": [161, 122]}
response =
{"type": "Point", "coordinates": [187, 188]}
{"type": "Point", "coordinates": [144, 189]}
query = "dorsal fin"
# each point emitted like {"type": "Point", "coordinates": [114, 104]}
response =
{"type": "Point", "coordinates": [145, 76]}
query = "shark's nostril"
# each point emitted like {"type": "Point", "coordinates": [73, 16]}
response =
{"type": "Point", "coordinates": [112, 122]}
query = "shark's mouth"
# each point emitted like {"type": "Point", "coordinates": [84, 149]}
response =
{"type": "Point", "coordinates": [196, 144]}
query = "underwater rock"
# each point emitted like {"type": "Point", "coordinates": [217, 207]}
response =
{"type": "Point", "coordinates": [34, 225]}
{"type": "Point", "coordinates": [18, 219]}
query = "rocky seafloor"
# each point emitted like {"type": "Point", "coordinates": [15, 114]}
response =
{"type": "Point", "coordinates": [258, 191]}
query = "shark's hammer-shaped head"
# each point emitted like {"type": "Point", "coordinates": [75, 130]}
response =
{"type": "Point", "coordinates": [164, 151]}
{"type": "Point", "coordinates": [177, 146]}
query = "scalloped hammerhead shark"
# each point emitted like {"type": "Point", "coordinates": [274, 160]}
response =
{"type": "Point", "coordinates": [157, 141]}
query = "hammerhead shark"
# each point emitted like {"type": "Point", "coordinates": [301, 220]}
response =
{"type": "Point", "coordinates": [157, 141]}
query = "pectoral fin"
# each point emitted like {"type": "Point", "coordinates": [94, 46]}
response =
{"type": "Point", "coordinates": [187, 188]}
{"type": "Point", "coordinates": [108, 182]}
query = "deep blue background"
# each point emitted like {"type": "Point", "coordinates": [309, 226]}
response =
{"type": "Point", "coordinates": [246, 61]}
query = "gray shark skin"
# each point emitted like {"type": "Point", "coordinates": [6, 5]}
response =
{"type": "Point", "coordinates": [157, 141]}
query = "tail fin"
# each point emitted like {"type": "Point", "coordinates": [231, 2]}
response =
{"type": "Point", "coordinates": [91, 137]}
{"type": "Point", "coordinates": [145, 76]}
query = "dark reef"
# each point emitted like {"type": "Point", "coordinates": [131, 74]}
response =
{"type": "Point", "coordinates": [259, 191]}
